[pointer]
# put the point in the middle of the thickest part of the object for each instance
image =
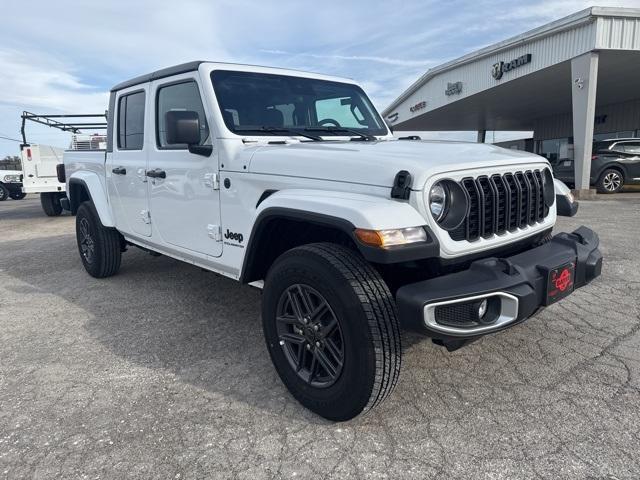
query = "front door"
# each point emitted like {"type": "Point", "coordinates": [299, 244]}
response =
{"type": "Point", "coordinates": [126, 165]}
{"type": "Point", "coordinates": [185, 204]}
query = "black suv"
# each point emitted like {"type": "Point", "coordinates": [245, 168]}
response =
{"type": "Point", "coordinates": [614, 163]}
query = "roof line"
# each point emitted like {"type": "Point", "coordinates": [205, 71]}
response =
{"type": "Point", "coordinates": [565, 23]}
{"type": "Point", "coordinates": [192, 66]}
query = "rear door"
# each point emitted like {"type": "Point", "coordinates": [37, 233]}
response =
{"type": "Point", "coordinates": [126, 166]}
{"type": "Point", "coordinates": [185, 205]}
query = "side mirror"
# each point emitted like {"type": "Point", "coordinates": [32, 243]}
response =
{"type": "Point", "coordinates": [182, 126]}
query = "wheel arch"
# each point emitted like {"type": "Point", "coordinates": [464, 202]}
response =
{"type": "Point", "coordinates": [88, 187]}
{"type": "Point", "coordinates": [328, 217]}
{"type": "Point", "coordinates": [612, 166]}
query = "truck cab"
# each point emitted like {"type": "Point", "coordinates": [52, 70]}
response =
{"type": "Point", "coordinates": [290, 181]}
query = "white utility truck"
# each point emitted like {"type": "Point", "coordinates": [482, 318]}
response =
{"type": "Point", "coordinates": [292, 182]}
{"type": "Point", "coordinates": [39, 162]}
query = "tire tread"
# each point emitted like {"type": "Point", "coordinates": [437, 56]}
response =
{"type": "Point", "coordinates": [379, 307]}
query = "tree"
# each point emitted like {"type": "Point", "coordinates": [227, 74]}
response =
{"type": "Point", "coordinates": [11, 162]}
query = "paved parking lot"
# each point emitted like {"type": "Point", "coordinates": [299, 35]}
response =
{"type": "Point", "coordinates": [162, 372]}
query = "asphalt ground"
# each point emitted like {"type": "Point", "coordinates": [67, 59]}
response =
{"type": "Point", "coordinates": [162, 372]}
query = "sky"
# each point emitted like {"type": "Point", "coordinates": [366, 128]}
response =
{"type": "Point", "coordinates": [63, 56]}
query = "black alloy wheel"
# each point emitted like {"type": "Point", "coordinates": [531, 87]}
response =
{"type": "Point", "coordinates": [310, 335]}
{"type": "Point", "coordinates": [87, 244]}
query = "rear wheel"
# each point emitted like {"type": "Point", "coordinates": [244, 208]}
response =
{"type": "Point", "coordinates": [331, 329]}
{"type": "Point", "coordinates": [18, 195]}
{"type": "Point", "coordinates": [4, 193]}
{"type": "Point", "coordinates": [50, 202]}
{"type": "Point", "coordinates": [611, 181]}
{"type": "Point", "coordinates": [99, 246]}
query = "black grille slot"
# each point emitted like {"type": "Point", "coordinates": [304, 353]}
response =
{"type": "Point", "coordinates": [472, 223]}
{"type": "Point", "coordinates": [501, 203]}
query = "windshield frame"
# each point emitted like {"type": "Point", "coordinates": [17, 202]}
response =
{"type": "Point", "coordinates": [242, 130]}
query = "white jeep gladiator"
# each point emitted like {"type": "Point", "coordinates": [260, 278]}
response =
{"type": "Point", "coordinates": [291, 181]}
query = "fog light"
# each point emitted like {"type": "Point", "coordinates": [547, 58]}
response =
{"type": "Point", "coordinates": [482, 308]}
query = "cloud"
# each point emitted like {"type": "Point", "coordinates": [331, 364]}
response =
{"type": "Point", "coordinates": [35, 81]}
{"type": "Point", "coordinates": [65, 55]}
{"type": "Point", "coordinates": [363, 58]}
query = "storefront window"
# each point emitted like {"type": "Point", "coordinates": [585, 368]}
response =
{"type": "Point", "coordinates": [606, 136]}
{"type": "Point", "coordinates": [554, 149]}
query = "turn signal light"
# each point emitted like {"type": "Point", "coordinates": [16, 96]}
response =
{"type": "Point", "coordinates": [390, 238]}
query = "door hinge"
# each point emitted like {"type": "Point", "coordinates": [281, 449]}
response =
{"type": "Point", "coordinates": [215, 232]}
{"type": "Point", "coordinates": [146, 216]}
{"type": "Point", "coordinates": [212, 181]}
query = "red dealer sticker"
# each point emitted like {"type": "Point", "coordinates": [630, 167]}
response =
{"type": "Point", "coordinates": [560, 282]}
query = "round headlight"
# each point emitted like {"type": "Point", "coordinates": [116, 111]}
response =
{"type": "Point", "coordinates": [438, 201]}
{"type": "Point", "coordinates": [448, 204]}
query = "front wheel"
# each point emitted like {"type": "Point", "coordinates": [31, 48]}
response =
{"type": "Point", "coordinates": [331, 329]}
{"type": "Point", "coordinates": [4, 193]}
{"type": "Point", "coordinates": [99, 246]}
{"type": "Point", "coordinates": [18, 195]}
{"type": "Point", "coordinates": [611, 181]}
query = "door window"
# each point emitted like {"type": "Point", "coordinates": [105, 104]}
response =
{"type": "Point", "coordinates": [179, 96]}
{"type": "Point", "coordinates": [131, 121]}
{"type": "Point", "coordinates": [630, 147]}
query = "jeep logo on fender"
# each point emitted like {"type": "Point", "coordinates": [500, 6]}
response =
{"type": "Point", "coordinates": [233, 236]}
{"type": "Point", "coordinates": [498, 69]}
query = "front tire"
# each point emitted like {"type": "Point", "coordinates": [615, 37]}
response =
{"type": "Point", "coordinates": [4, 193]}
{"type": "Point", "coordinates": [18, 195]}
{"type": "Point", "coordinates": [331, 329]}
{"type": "Point", "coordinates": [611, 181]}
{"type": "Point", "coordinates": [99, 246]}
{"type": "Point", "coordinates": [50, 202]}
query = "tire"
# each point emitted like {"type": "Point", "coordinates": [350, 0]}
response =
{"type": "Point", "coordinates": [18, 195]}
{"type": "Point", "coordinates": [611, 181]}
{"type": "Point", "coordinates": [4, 193]}
{"type": "Point", "coordinates": [50, 202]}
{"type": "Point", "coordinates": [366, 331]}
{"type": "Point", "coordinates": [99, 246]}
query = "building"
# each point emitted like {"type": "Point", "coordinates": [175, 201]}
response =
{"type": "Point", "coordinates": [571, 82]}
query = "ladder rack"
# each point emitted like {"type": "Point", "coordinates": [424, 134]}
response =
{"type": "Point", "coordinates": [73, 123]}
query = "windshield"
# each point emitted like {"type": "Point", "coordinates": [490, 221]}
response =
{"type": "Point", "coordinates": [265, 104]}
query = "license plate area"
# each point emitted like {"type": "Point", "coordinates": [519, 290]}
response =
{"type": "Point", "coordinates": [560, 282]}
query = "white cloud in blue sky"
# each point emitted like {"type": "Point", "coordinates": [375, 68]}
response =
{"type": "Point", "coordinates": [63, 56]}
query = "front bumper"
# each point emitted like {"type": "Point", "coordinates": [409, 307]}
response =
{"type": "Point", "coordinates": [13, 187]}
{"type": "Point", "coordinates": [516, 288]}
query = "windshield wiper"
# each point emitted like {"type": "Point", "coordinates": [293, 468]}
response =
{"type": "Point", "coordinates": [277, 130]}
{"type": "Point", "coordinates": [362, 136]}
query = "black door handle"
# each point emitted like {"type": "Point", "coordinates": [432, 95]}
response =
{"type": "Point", "coordinates": [119, 171]}
{"type": "Point", "coordinates": [156, 173]}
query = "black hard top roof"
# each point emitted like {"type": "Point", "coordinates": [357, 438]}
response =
{"type": "Point", "coordinates": [164, 72]}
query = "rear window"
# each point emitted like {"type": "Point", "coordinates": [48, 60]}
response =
{"type": "Point", "coordinates": [131, 121]}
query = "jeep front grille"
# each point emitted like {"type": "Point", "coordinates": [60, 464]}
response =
{"type": "Point", "coordinates": [501, 203]}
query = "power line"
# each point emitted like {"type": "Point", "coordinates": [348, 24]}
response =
{"type": "Point", "coordinates": [12, 139]}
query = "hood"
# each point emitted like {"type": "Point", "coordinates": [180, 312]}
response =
{"type": "Point", "coordinates": [377, 163]}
